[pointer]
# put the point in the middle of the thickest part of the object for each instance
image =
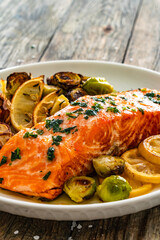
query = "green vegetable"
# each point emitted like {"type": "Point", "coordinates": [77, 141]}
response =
{"type": "Point", "coordinates": [39, 131]}
{"type": "Point", "coordinates": [56, 140]}
{"type": "Point", "coordinates": [54, 123]}
{"type": "Point", "coordinates": [49, 88]}
{"type": "Point", "coordinates": [47, 176]}
{"type": "Point", "coordinates": [81, 104]}
{"type": "Point", "coordinates": [113, 188]}
{"type": "Point", "coordinates": [80, 188]}
{"type": "Point", "coordinates": [28, 134]}
{"type": "Point", "coordinates": [68, 130]}
{"type": "Point", "coordinates": [3, 161]}
{"type": "Point", "coordinates": [15, 155]}
{"type": "Point", "coordinates": [50, 153]}
{"type": "Point", "coordinates": [94, 86]}
{"type": "Point", "coordinates": [112, 109]}
{"type": "Point", "coordinates": [107, 165]}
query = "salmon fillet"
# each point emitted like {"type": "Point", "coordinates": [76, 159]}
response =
{"type": "Point", "coordinates": [38, 161]}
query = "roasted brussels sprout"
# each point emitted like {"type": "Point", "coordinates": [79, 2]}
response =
{"type": "Point", "coordinates": [49, 88]}
{"type": "Point", "coordinates": [94, 86]}
{"type": "Point", "coordinates": [113, 188]}
{"type": "Point", "coordinates": [74, 94]}
{"type": "Point", "coordinates": [80, 188]}
{"type": "Point", "coordinates": [5, 133]}
{"type": "Point", "coordinates": [15, 79]}
{"type": "Point", "coordinates": [5, 106]}
{"type": "Point", "coordinates": [107, 165]}
{"type": "Point", "coordinates": [66, 80]}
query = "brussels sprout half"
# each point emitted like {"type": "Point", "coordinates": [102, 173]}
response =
{"type": "Point", "coordinates": [80, 188]}
{"type": "Point", "coordinates": [114, 188]}
{"type": "Point", "coordinates": [95, 86]}
{"type": "Point", "coordinates": [15, 79]}
{"type": "Point", "coordinates": [107, 165]}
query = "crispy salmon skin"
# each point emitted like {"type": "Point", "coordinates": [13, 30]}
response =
{"type": "Point", "coordinates": [38, 161]}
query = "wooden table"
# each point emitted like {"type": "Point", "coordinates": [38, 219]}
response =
{"type": "Point", "coordinates": [125, 31]}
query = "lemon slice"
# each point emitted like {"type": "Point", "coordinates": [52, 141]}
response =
{"type": "Point", "coordinates": [24, 101]}
{"type": "Point", "coordinates": [138, 188]}
{"type": "Point", "coordinates": [42, 110]}
{"type": "Point", "coordinates": [140, 169]}
{"type": "Point", "coordinates": [61, 102]}
{"type": "Point", "coordinates": [150, 149]}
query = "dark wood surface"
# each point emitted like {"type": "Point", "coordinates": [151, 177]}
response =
{"type": "Point", "coordinates": [125, 31]}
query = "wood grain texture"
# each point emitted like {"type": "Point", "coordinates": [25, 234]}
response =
{"type": "Point", "coordinates": [94, 29]}
{"type": "Point", "coordinates": [144, 47]}
{"type": "Point", "coordinates": [26, 28]}
{"type": "Point", "coordinates": [123, 31]}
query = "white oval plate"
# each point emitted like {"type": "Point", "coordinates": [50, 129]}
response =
{"type": "Point", "coordinates": [123, 77]}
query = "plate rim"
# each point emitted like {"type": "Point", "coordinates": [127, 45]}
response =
{"type": "Point", "coordinates": [44, 206]}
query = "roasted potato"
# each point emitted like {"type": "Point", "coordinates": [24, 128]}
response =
{"type": "Point", "coordinates": [15, 79]}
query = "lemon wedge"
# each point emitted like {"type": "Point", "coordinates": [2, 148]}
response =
{"type": "Point", "coordinates": [24, 101]}
{"type": "Point", "coordinates": [42, 110]}
{"type": "Point", "coordinates": [61, 102]}
{"type": "Point", "coordinates": [150, 149]}
{"type": "Point", "coordinates": [140, 169]}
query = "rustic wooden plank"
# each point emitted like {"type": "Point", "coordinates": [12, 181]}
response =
{"type": "Point", "coordinates": [144, 47]}
{"type": "Point", "coordinates": [94, 29]}
{"type": "Point", "coordinates": [27, 27]}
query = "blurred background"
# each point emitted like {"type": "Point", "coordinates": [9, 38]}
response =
{"type": "Point", "coordinates": [125, 31]}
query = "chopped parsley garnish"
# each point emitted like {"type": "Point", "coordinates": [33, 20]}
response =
{"type": "Point", "coordinates": [141, 110]}
{"type": "Point", "coordinates": [113, 103]}
{"type": "Point", "coordinates": [133, 110]}
{"type": "Point", "coordinates": [97, 106]}
{"type": "Point", "coordinates": [112, 109]}
{"type": "Point", "coordinates": [39, 131]}
{"type": "Point", "coordinates": [30, 134]}
{"type": "Point", "coordinates": [76, 130]}
{"type": "Point", "coordinates": [124, 108]}
{"type": "Point", "coordinates": [3, 161]}
{"type": "Point", "coordinates": [67, 130]}
{"type": "Point", "coordinates": [1, 180]}
{"type": "Point", "coordinates": [70, 114]}
{"type": "Point", "coordinates": [50, 153]}
{"type": "Point", "coordinates": [151, 94]}
{"type": "Point", "coordinates": [108, 97]}
{"type": "Point", "coordinates": [15, 155]}
{"type": "Point", "coordinates": [54, 123]}
{"type": "Point", "coordinates": [56, 140]}
{"type": "Point", "coordinates": [124, 98]}
{"type": "Point", "coordinates": [89, 112]}
{"type": "Point", "coordinates": [99, 99]}
{"type": "Point", "coordinates": [78, 112]}
{"type": "Point", "coordinates": [81, 104]}
{"type": "Point", "coordinates": [47, 175]}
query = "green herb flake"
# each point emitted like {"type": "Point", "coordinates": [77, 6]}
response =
{"type": "Point", "coordinates": [15, 155]}
{"type": "Point", "coordinates": [70, 114]}
{"type": "Point", "coordinates": [81, 104]}
{"type": "Point", "coordinates": [3, 161]}
{"type": "Point", "coordinates": [76, 130]}
{"type": "Point", "coordinates": [124, 108]}
{"type": "Point", "coordinates": [89, 112]}
{"type": "Point", "coordinates": [56, 140]}
{"type": "Point", "coordinates": [112, 109]}
{"type": "Point", "coordinates": [113, 103]}
{"type": "Point", "coordinates": [47, 176]}
{"type": "Point", "coordinates": [97, 106]}
{"type": "Point", "coordinates": [151, 94]}
{"type": "Point", "coordinates": [99, 99]}
{"type": "Point", "coordinates": [39, 131]}
{"type": "Point", "coordinates": [124, 98]}
{"type": "Point", "coordinates": [30, 134]}
{"type": "Point", "coordinates": [50, 153]}
{"type": "Point", "coordinates": [133, 110]}
{"type": "Point", "coordinates": [68, 130]}
{"type": "Point", "coordinates": [1, 180]}
{"type": "Point", "coordinates": [54, 123]}
{"type": "Point", "coordinates": [141, 110]}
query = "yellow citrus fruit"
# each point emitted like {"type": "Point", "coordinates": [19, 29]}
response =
{"type": "Point", "coordinates": [24, 101]}
{"type": "Point", "coordinates": [138, 188]}
{"type": "Point", "coordinates": [42, 110]}
{"type": "Point", "coordinates": [61, 102]}
{"type": "Point", "coordinates": [140, 169]}
{"type": "Point", "coordinates": [150, 149]}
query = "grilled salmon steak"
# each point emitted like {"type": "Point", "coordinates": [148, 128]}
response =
{"type": "Point", "coordinates": [38, 161]}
